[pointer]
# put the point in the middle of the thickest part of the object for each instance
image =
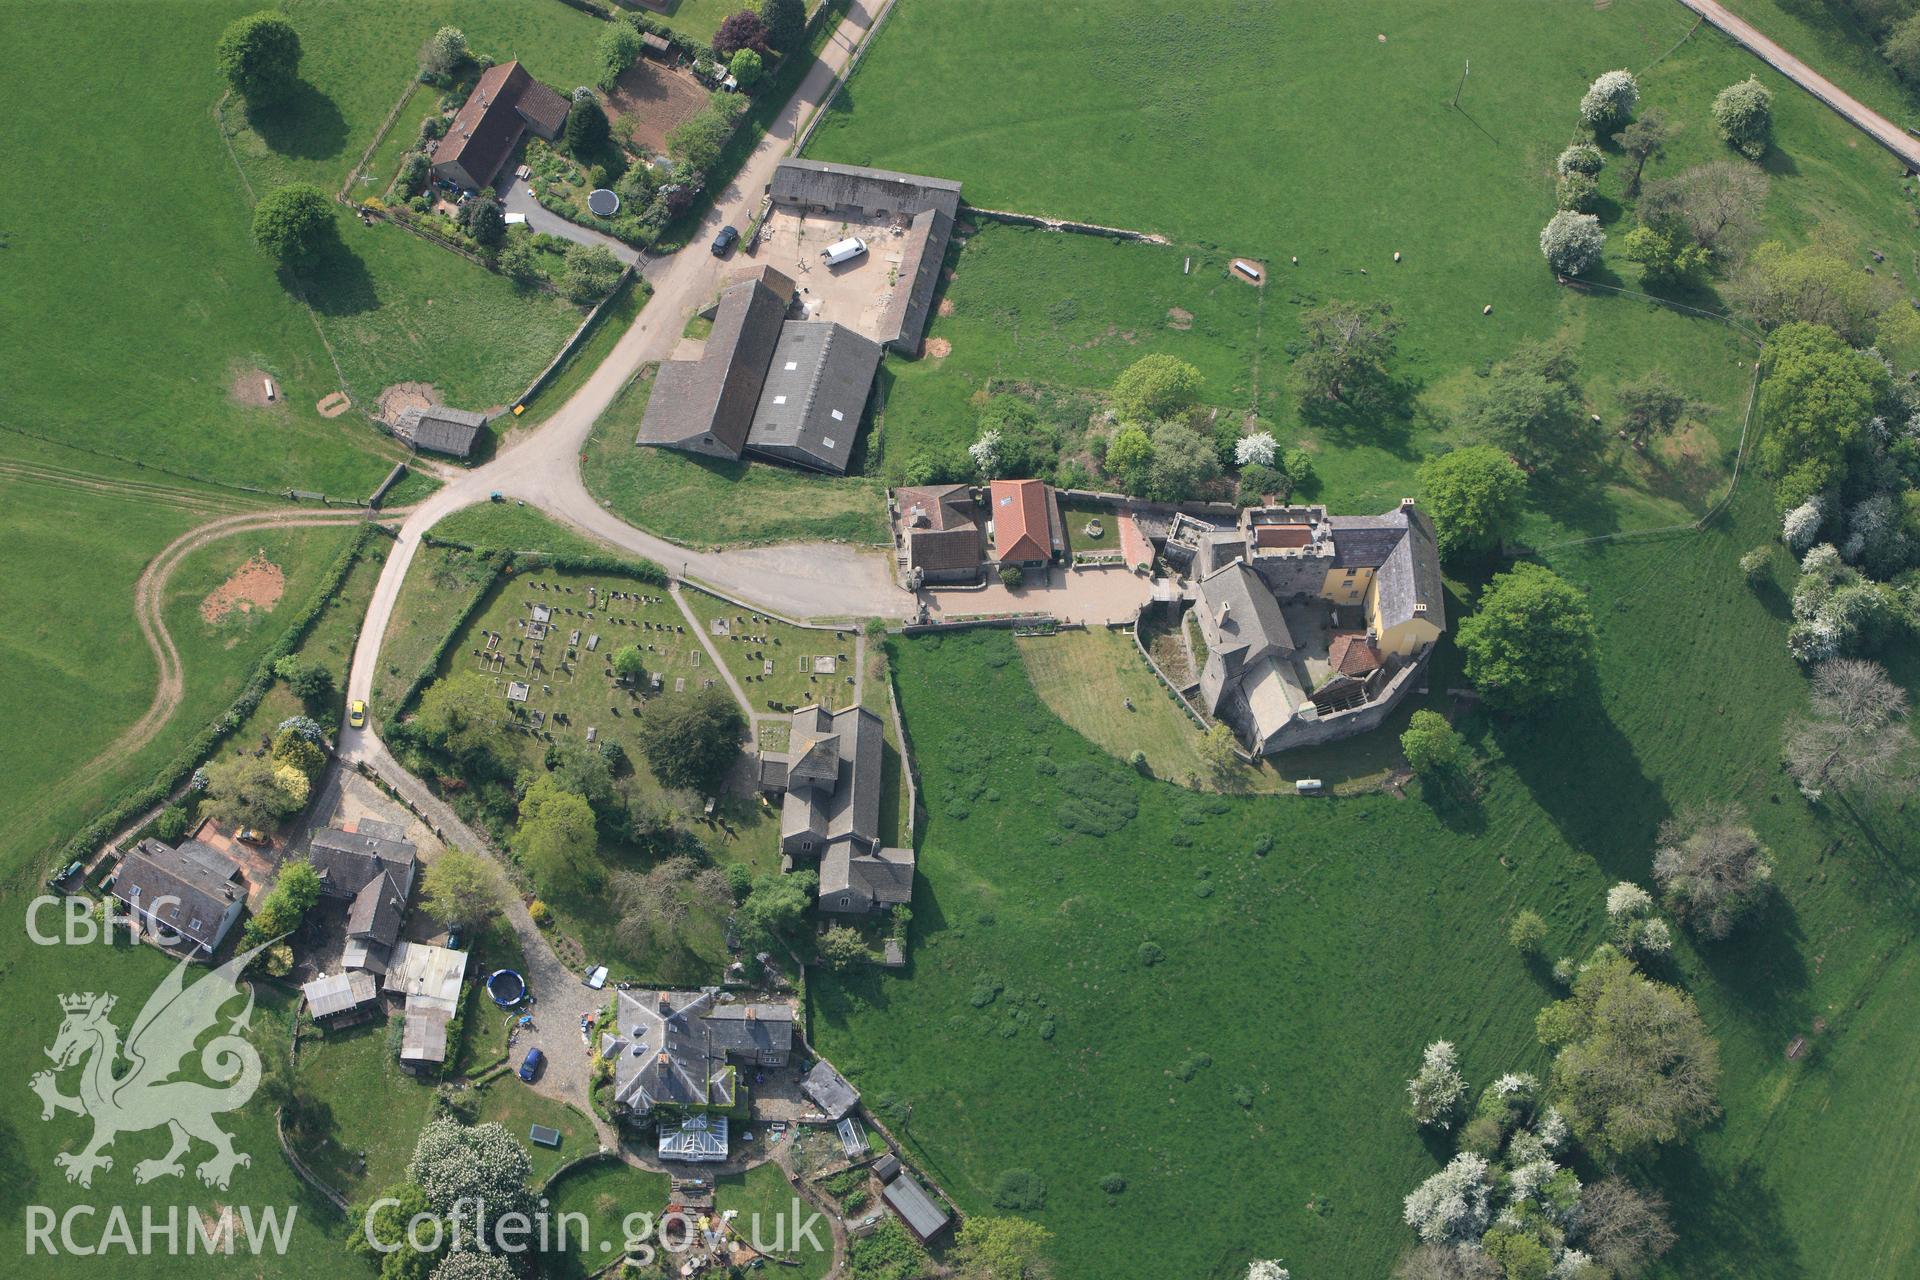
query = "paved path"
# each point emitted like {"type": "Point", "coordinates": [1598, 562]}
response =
{"type": "Point", "coordinates": [543, 469]}
{"type": "Point", "coordinates": [1869, 121]}
{"type": "Point", "coordinates": [518, 197]}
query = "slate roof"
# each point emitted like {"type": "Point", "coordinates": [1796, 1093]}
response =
{"type": "Point", "coordinates": [708, 405]}
{"type": "Point", "coordinates": [377, 912]}
{"type": "Point", "coordinates": [685, 1042]}
{"type": "Point", "coordinates": [916, 1208]}
{"type": "Point", "coordinates": [923, 252]}
{"type": "Point", "coordinates": [941, 525]}
{"type": "Point", "coordinates": [503, 103]}
{"type": "Point", "coordinates": [830, 1090]}
{"type": "Point", "coordinates": [850, 805]}
{"type": "Point", "coordinates": [443, 430]}
{"type": "Point", "coordinates": [814, 394]}
{"type": "Point", "coordinates": [202, 883]}
{"type": "Point", "coordinates": [348, 860]}
{"type": "Point", "coordinates": [1022, 528]}
{"type": "Point", "coordinates": [1248, 676]}
{"type": "Point", "coordinates": [882, 878]}
{"type": "Point", "coordinates": [1401, 550]}
{"type": "Point", "coordinates": [338, 993]}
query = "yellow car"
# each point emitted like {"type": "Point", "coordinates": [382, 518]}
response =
{"type": "Point", "coordinates": [357, 714]}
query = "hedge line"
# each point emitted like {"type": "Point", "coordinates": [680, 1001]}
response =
{"type": "Point", "coordinates": [136, 800]}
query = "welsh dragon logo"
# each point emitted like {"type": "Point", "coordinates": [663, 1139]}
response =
{"type": "Point", "coordinates": [132, 1089]}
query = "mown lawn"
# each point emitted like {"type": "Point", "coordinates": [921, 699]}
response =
{"type": "Point", "coordinates": [608, 1192]}
{"type": "Point", "coordinates": [505, 1100]}
{"type": "Point", "coordinates": [359, 1149]}
{"type": "Point", "coordinates": [507, 526]}
{"type": "Point", "coordinates": [768, 1209]}
{"type": "Point", "coordinates": [1285, 992]}
{"type": "Point", "coordinates": [710, 502]}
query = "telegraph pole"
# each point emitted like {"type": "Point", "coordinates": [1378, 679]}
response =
{"type": "Point", "coordinates": [1463, 84]}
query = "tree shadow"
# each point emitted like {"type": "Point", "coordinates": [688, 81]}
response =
{"type": "Point", "coordinates": [1772, 598]}
{"type": "Point", "coordinates": [1777, 163]}
{"type": "Point", "coordinates": [304, 125]}
{"type": "Point", "coordinates": [1733, 1222]}
{"type": "Point", "coordinates": [335, 281]}
{"type": "Point", "coordinates": [1385, 421]}
{"type": "Point", "coordinates": [1763, 969]}
{"type": "Point", "coordinates": [1578, 499]}
{"type": "Point", "coordinates": [17, 1179]}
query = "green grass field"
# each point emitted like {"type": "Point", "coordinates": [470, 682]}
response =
{"type": "Point", "coordinates": [361, 1150]}
{"type": "Point", "coordinates": [708, 502]}
{"type": "Point", "coordinates": [1289, 971]}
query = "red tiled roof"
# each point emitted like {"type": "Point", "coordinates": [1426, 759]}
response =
{"type": "Point", "coordinates": [1353, 655]}
{"type": "Point", "coordinates": [1020, 529]}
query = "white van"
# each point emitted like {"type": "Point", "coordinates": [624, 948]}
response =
{"type": "Point", "coordinates": [843, 250]}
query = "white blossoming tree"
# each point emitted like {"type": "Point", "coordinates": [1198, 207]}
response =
{"type": "Point", "coordinates": [1801, 526]}
{"type": "Point", "coordinates": [985, 452]}
{"type": "Point", "coordinates": [1436, 1089]}
{"type": "Point", "coordinates": [1267, 1269]}
{"type": "Point", "coordinates": [1454, 1204]}
{"type": "Point", "coordinates": [1627, 900]}
{"type": "Point", "coordinates": [452, 1162]}
{"type": "Point", "coordinates": [1258, 448]}
{"type": "Point", "coordinates": [1572, 242]}
{"type": "Point", "coordinates": [1610, 101]}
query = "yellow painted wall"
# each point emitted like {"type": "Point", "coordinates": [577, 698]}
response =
{"type": "Point", "coordinates": [1334, 588]}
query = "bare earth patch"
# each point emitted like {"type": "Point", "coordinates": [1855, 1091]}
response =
{"type": "Point", "coordinates": [332, 406]}
{"type": "Point", "coordinates": [1179, 318]}
{"type": "Point", "coordinates": [939, 348]}
{"type": "Point", "coordinates": [654, 100]}
{"type": "Point", "coordinates": [945, 308]}
{"type": "Point", "coordinates": [248, 386]}
{"type": "Point", "coordinates": [1260, 268]}
{"type": "Point", "coordinates": [255, 587]}
{"type": "Point", "coordinates": [402, 396]}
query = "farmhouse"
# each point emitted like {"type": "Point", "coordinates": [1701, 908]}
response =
{"type": "Point", "coordinates": [1025, 521]}
{"type": "Point", "coordinates": [502, 107]}
{"type": "Point", "coordinates": [923, 209]}
{"type": "Point", "coordinates": [192, 894]}
{"type": "Point", "coordinates": [683, 1050]}
{"type": "Point", "coordinates": [1316, 625]}
{"type": "Point", "coordinates": [831, 776]}
{"type": "Point", "coordinates": [938, 533]}
{"type": "Point", "coordinates": [439, 429]}
{"type": "Point", "coordinates": [789, 390]}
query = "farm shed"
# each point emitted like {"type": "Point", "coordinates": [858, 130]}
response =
{"type": "Point", "coordinates": [922, 1214]}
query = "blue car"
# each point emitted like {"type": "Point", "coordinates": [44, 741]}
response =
{"type": "Point", "coordinates": [531, 1067]}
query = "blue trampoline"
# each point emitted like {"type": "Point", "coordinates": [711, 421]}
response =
{"type": "Point", "coordinates": [506, 987]}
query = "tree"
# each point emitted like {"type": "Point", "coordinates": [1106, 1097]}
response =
{"type": "Point", "coordinates": [558, 838]}
{"type": "Point", "coordinates": [1219, 752]}
{"type": "Point", "coordinates": [617, 48]}
{"type": "Point", "coordinates": [1901, 48]}
{"type": "Point", "coordinates": [484, 219]}
{"type": "Point", "coordinates": [743, 30]}
{"type": "Point", "coordinates": [1474, 495]}
{"type": "Point", "coordinates": [1577, 192]}
{"type": "Point", "coordinates": [1129, 456]}
{"type": "Point", "coordinates": [399, 1260]}
{"type": "Point", "coordinates": [746, 68]}
{"type": "Point", "coordinates": [463, 716]}
{"type": "Point", "coordinates": [295, 785]}
{"type": "Point", "coordinates": [786, 23]}
{"type": "Point", "coordinates": [444, 52]}
{"type": "Point", "coordinates": [587, 129]}
{"type": "Point", "coordinates": [1454, 1204]}
{"type": "Point", "coordinates": [655, 903]}
{"type": "Point", "coordinates": [519, 261]}
{"type": "Point", "coordinates": [295, 889]}
{"type": "Point", "coordinates": [589, 274]}
{"type": "Point", "coordinates": [1531, 640]}
{"type": "Point", "coordinates": [1528, 932]}
{"type": "Point", "coordinates": [774, 909]}
{"type": "Point", "coordinates": [1609, 101]}
{"type": "Point", "coordinates": [1257, 449]}
{"type": "Point", "coordinates": [260, 57]}
{"type": "Point", "coordinates": [1664, 255]}
{"type": "Point", "coordinates": [841, 948]}
{"type": "Point", "coordinates": [1345, 351]}
{"type": "Point", "coordinates": [1719, 203]}
{"type": "Point", "coordinates": [1817, 283]}
{"type": "Point", "coordinates": [1624, 1228]}
{"type": "Point", "coordinates": [698, 140]}
{"type": "Point", "coordinates": [1581, 157]}
{"type": "Point", "coordinates": [1636, 1067]}
{"type": "Point", "coordinates": [463, 888]}
{"type": "Point", "coordinates": [1184, 463]}
{"type": "Point", "coordinates": [242, 792]}
{"type": "Point", "coordinates": [989, 1248]}
{"type": "Point", "coordinates": [290, 748]}
{"type": "Point", "coordinates": [630, 664]}
{"type": "Point", "coordinates": [1744, 114]}
{"type": "Point", "coordinates": [1644, 139]}
{"type": "Point", "coordinates": [1530, 406]}
{"type": "Point", "coordinates": [482, 1168]}
{"type": "Point", "coordinates": [309, 681]}
{"type": "Point", "coordinates": [292, 223]}
{"type": "Point", "coordinates": [1572, 242]}
{"type": "Point", "coordinates": [691, 741]}
{"type": "Point", "coordinates": [1712, 870]}
{"type": "Point", "coordinates": [1857, 731]}
{"type": "Point", "coordinates": [1651, 405]}
{"type": "Point", "coordinates": [1432, 747]}
{"type": "Point", "coordinates": [470, 1264]}
{"type": "Point", "coordinates": [1447, 1262]}
{"type": "Point", "coordinates": [1435, 1091]}
{"type": "Point", "coordinates": [1154, 387]}
{"type": "Point", "coordinates": [1012, 577]}
{"type": "Point", "coordinates": [1818, 397]}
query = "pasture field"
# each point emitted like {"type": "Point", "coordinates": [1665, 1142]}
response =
{"type": "Point", "coordinates": [136, 302]}
{"type": "Point", "coordinates": [710, 502]}
{"type": "Point", "coordinates": [1354, 155]}
{"type": "Point", "coordinates": [330, 643]}
{"type": "Point", "coordinates": [1250, 1085]}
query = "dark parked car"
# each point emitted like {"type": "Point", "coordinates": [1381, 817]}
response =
{"type": "Point", "coordinates": [725, 240]}
{"type": "Point", "coordinates": [531, 1067]}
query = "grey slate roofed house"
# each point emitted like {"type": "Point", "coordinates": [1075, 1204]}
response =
{"type": "Point", "coordinates": [856, 881]}
{"type": "Point", "coordinates": [831, 811]}
{"type": "Point", "coordinates": [440, 429]}
{"type": "Point", "coordinates": [1250, 679]}
{"type": "Point", "coordinates": [349, 860]}
{"type": "Point", "coordinates": [193, 892]}
{"type": "Point", "coordinates": [814, 396]}
{"type": "Point", "coordinates": [927, 206]}
{"type": "Point", "coordinates": [682, 1049]}
{"type": "Point", "coordinates": [708, 405]}
{"type": "Point", "coordinates": [373, 924]}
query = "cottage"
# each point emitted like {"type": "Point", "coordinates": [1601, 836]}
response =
{"type": "Point", "coordinates": [354, 854]}
{"type": "Point", "coordinates": [940, 532]}
{"type": "Point", "coordinates": [496, 115]}
{"type": "Point", "coordinates": [831, 775]}
{"type": "Point", "coordinates": [1027, 530]}
{"type": "Point", "coordinates": [188, 897]}
{"type": "Point", "coordinates": [439, 429]}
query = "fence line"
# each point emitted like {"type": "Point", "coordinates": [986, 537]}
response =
{"type": "Point", "coordinates": [379, 136]}
{"type": "Point", "coordinates": [805, 135]}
